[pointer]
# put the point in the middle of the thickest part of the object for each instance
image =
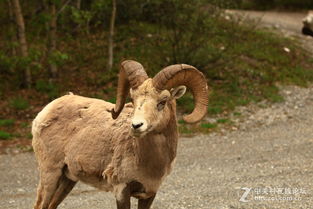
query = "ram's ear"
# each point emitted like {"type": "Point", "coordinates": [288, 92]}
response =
{"type": "Point", "coordinates": [178, 92]}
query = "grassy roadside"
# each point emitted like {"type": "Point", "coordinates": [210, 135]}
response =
{"type": "Point", "coordinates": [242, 65]}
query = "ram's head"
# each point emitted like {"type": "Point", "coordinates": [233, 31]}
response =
{"type": "Point", "coordinates": [153, 98]}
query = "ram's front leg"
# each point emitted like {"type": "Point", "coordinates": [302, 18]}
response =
{"type": "Point", "coordinates": [122, 195]}
{"type": "Point", "coordinates": [145, 203]}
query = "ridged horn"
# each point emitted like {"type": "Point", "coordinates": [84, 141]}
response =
{"type": "Point", "coordinates": [189, 76]}
{"type": "Point", "coordinates": [131, 75]}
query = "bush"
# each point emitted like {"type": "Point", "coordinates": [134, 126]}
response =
{"type": "Point", "coordinates": [19, 103]}
{"type": "Point", "coordinates": [49, 88]}
{"type": "Point", "coordinates": [5, 135]}
{"type": "Point", "coordinates": [7, 122]}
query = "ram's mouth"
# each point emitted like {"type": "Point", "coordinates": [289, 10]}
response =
{"type": "Point", "coordinates": [139, 133]}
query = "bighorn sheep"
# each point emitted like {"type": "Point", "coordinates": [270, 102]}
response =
{"type": "Point", "coordinates": [126, 150]}
{"type": "Point", "coordinates": [307, 28]}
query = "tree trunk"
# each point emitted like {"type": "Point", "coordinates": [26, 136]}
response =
{"type": "Point", "coordinates": [52, 39]}
{"type": "Point", "coordinates": [78, 4]}
{"type": "Point", "coordinates": [22, 38]}
{"type": "Point", "coordinates": [111, 35]}
{"type": "Point", "coordinates": [12, 32]}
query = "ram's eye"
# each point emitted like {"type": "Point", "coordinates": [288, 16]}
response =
{"type": "Point", "coordinates": [161, 105]}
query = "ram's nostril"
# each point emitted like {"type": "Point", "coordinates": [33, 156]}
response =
{"type": "Point", "coordinates": [135, 126]}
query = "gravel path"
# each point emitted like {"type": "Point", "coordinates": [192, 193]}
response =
{"type": "Point", "coordinates": [271, 148]}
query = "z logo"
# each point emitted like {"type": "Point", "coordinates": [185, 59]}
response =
{"type": "Point", "coordinates": [245, 194]}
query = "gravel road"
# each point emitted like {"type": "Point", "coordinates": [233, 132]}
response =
{"type": "Point", "coordinates": [268, 151]}
{"type": "Point", "coordinates": [289, 21]}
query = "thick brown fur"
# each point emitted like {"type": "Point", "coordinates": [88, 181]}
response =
{"type": "Point", "coordinates": [76, 139]}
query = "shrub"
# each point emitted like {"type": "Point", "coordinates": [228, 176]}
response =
{"type": "Point", "coordinates": [208, 125]}
{"type": "Point", "coordinates": [45, 87]}
{"type": "Point", "coordinates": [7, 122]}
{"type": "Point", "coordinates": [5, 135]}
{"type": "Point", "coordinates": [19, 103]}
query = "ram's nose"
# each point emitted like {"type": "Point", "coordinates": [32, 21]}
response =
{"type": "Point", "coordinates": [137, 125]}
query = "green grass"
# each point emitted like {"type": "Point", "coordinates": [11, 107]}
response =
{"type": "Point", "coordinates": [5, 135]}
{"type": "Point", "coordinates": [183, 129]}
{"type": "Point", "coordinates": [24, 125]}
{"type": "Point", "coordinates": [46, 87]}
{"type": "Point", "coordinates": [19, 103]}
{"type": "Point", "coordinates": [7, 122]}
{"type": "Point", "coordinates": [182, 122]}
{"type": "Point", "coordinates": [112, 100]}
{"type": "Point", "coordinates": [223, 120]}
{"type": "Point", "coordinates": [208, 125]}
{"type": "Point", "coordinates": [29, 136]}
{"type": "Point", "coordinates": [186, 102]}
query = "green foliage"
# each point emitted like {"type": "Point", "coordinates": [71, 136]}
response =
{"type": "Point", "coordinates": [5, 135]}
{"type": "Point", "coordinates": [181, 122]}
{"type": "Point", "coordinates": [12, 67]}
{"type": "Point", "coordinates": [82, 18]}
{"type": "Point", "coordinates": [46, 87]}
{"type": "Point", "coordinates": [186, 102]}
{"type": "Point", "coordinates": [24, 125]}
{"type": "Point", "coordinates": [112, 100]}
{"type": "Point", "coordinates": [184, 32]}
{"type": "Point", "coordinates": [29, 136]}
{"type": "Point", "coordinates": [58, 58]}
{"type": "Point", "coordinates": [6, 63]}
{"type": "Point", "coordinates": [7, 122]}
{"type": "Point", "coordinates": [109, 90]}
{"type": "Point", "coordinates": [19, 103]}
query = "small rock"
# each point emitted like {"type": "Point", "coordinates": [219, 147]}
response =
{"type": "Point", "coordinates": [286, 49]}
{"type": "Point", "coordinates": [20, 190]}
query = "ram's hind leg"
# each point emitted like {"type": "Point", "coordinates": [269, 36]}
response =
{"type": "Point", "coordinates": [39, 197]}
{"type": "Point", "coordinates": [49, 180]}
{"type": "Point", "coordinates": [64, 188]}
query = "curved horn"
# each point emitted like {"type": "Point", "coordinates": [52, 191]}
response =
{"type": "Point", "coordinates": [182, 74]}
{"type": "Point", "coordinates": [131, 75]}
